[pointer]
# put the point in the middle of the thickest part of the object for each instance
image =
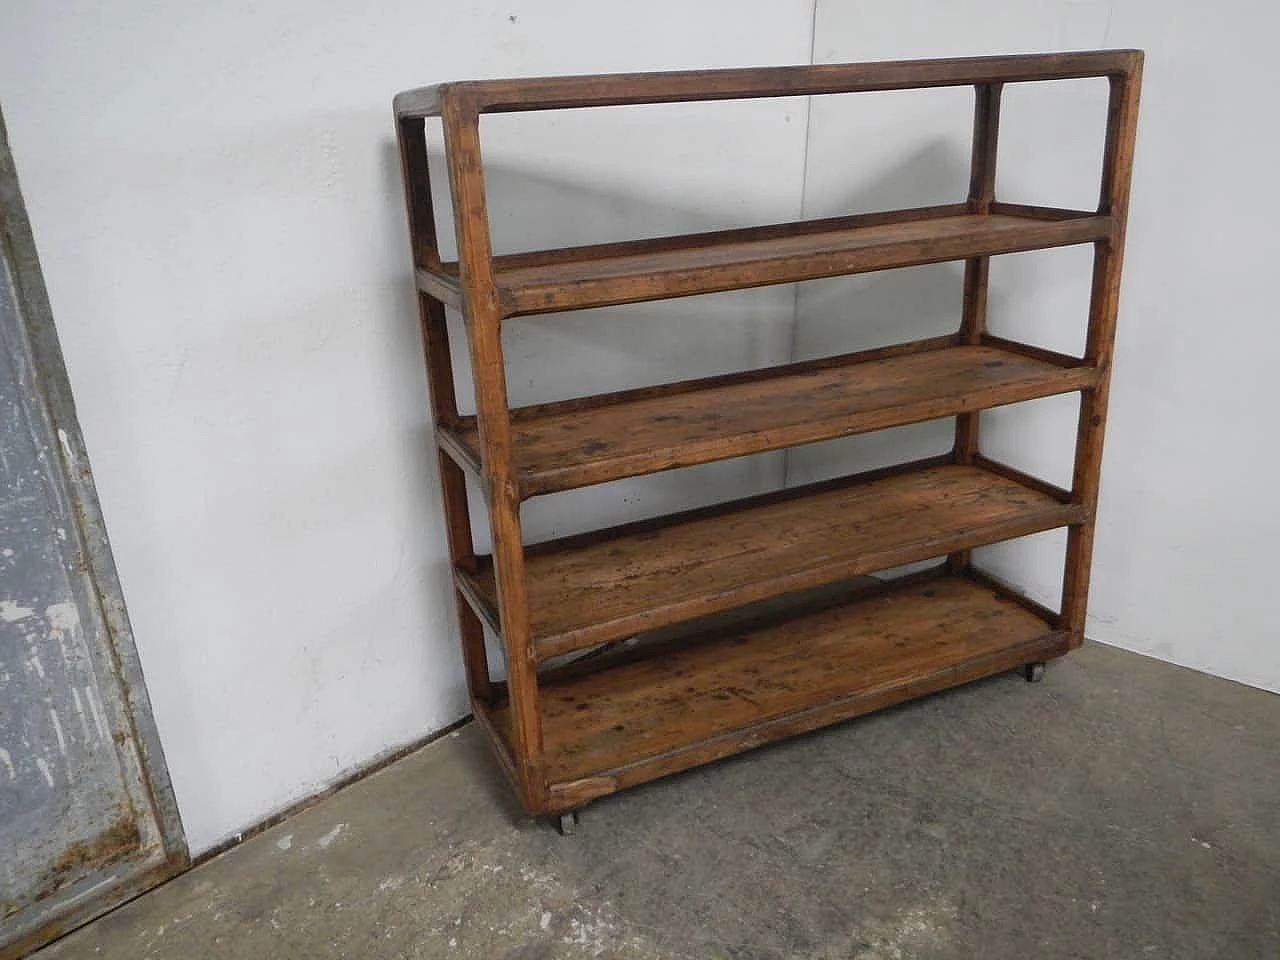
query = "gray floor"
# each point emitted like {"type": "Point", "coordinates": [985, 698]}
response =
{"type": "Point", "coordinates": [1123, 808]}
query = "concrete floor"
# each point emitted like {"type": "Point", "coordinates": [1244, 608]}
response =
{"type": "Point", "coordinates": [1123, 808]}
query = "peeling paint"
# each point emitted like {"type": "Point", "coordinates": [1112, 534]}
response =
{"type": "Point", "coordinates": [57, 729]}
{"type": "Point", "coordinates": [84, 720]}
{"type": "Point", "coordinates": [62, 616]}
{"type": "Point", "coordinates": [64, 628]}
{"type": "Point", "coordinates": [96, 711]}
{"type": "Point", "coordinates": [65, 442]}
{"type": "Point", "coordinates": [11, 612]}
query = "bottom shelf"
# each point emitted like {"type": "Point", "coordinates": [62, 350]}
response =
{"type": "Point", "coordinates": [615, 723]}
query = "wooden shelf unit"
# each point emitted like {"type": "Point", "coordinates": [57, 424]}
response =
{"type": "Point", "coordinates": [756, 628]}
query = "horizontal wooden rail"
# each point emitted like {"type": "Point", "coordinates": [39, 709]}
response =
{"type": "Point", "coordinates": [556, 93]}
{"type": "Point", "coordinates": [576, 443]}
{"type": "Point", "coordinates": [573, 278]}
{"type": "Point", "coordinates": [651, 575]}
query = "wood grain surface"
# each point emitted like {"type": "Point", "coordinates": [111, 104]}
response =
{"type": "Point", "coordinates": [608, 274]}
{"type": "Point", "coordinates": [661, 713]}
{"type": "Point", "coordinates": [589, 590]}
{"type": "Point", "coordinates": [574, 444]}
{"type": "Point", "coordinates": [601, 90]}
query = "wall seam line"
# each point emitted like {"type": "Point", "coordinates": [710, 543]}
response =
{"type": "Point", "coordinates": [804, 195]}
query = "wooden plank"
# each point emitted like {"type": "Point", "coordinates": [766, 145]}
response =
{"type": "Point", "coordinates": [628, 723]}
{"type": "Point", "coordinates": [658, 274]}
{"type": "Point", "coordinates": [756, 375]}
{"type": "Point", "coordinates": [767, 233]}
{"type": "Point", "coordinates": [649, 525]}
{"type": "Point", "coordinates": [440, 282]}
{"type": "Point", "coordinates": [495, 721]}
{"type": "Point", "coordinates": [1034, 212]}
{"type": "Point", "coordinates": [1002, 589]}
{"type": "Point", "coordinates": [1025, 479]}
{"type": "Point", "coordinates": [1031, 351]}
{"type": "Point", "coordinates": [561, 446]}
{"type": "Point", "coordinates": [599, 90]}
{"type": "Point", "coordinates": [604, 274]}
{"type": "Point", "coordinates": [464, 454]}
{"type": "Point", "coordinates": [585, 593]}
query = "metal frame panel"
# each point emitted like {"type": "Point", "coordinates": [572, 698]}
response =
{"type": "Point", "coordinates": [161, 849]}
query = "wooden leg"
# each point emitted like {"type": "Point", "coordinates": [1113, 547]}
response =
{"type": "Point", "coordinates": [1104, 301]}
{"type": "Point", "coordinates": [483, 316]}
{"type": "Point", "coordinates": [1076, 570]}
{"type": "Point", "coordinates": [567, 823]}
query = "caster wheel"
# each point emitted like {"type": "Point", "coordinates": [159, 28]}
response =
{"type": "Point", "coordinates": [1033, 672]}
{"type": "Point", "coordinates": [567, 823]}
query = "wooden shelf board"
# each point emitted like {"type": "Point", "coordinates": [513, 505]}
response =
{"type": "Point", "coordinates": [608, 274]}
{"type": "Point", "coordinates": [688, 703]}
{"type": "Point", "coordinates": [560, 446]}
{"type": "Point", "coordinates": [655, 573]}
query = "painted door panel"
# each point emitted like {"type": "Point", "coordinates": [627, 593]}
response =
{"type": "Point", "coordinates": [86, 814]}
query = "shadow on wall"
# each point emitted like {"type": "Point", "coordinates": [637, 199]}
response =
{"type": "Point", "coordinates": [581, 353]}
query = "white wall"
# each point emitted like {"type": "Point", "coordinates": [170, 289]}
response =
{"type": "Point", "coordinates": [215, 197]}
{"type": "Point", "coordinates": [1184, 562]}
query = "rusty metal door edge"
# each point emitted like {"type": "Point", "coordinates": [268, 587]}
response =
{"type": "Point", "coordinates": [80, 906]}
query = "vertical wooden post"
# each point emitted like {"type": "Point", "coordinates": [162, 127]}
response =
{"type": "Point", "coordinates": [973, 321]}
{"type": "Point", "coordinates": [444, 406]}
{"type": "Point", "coordinates": [1117, 167]}
{"type": "Point", "coordinates": [483, 316]}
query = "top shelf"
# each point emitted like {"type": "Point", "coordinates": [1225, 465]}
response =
{"type": "Point", "coordinates": [605, 90]}
{"type": "Point", "coordinates": [574, 278]}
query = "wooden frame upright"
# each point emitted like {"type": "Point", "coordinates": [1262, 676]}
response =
{"type": "Point", "coordinates": [568, 735]}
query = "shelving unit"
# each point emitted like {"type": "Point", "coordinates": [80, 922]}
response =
{"type": "Point", "coordinates": [753, 626]}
